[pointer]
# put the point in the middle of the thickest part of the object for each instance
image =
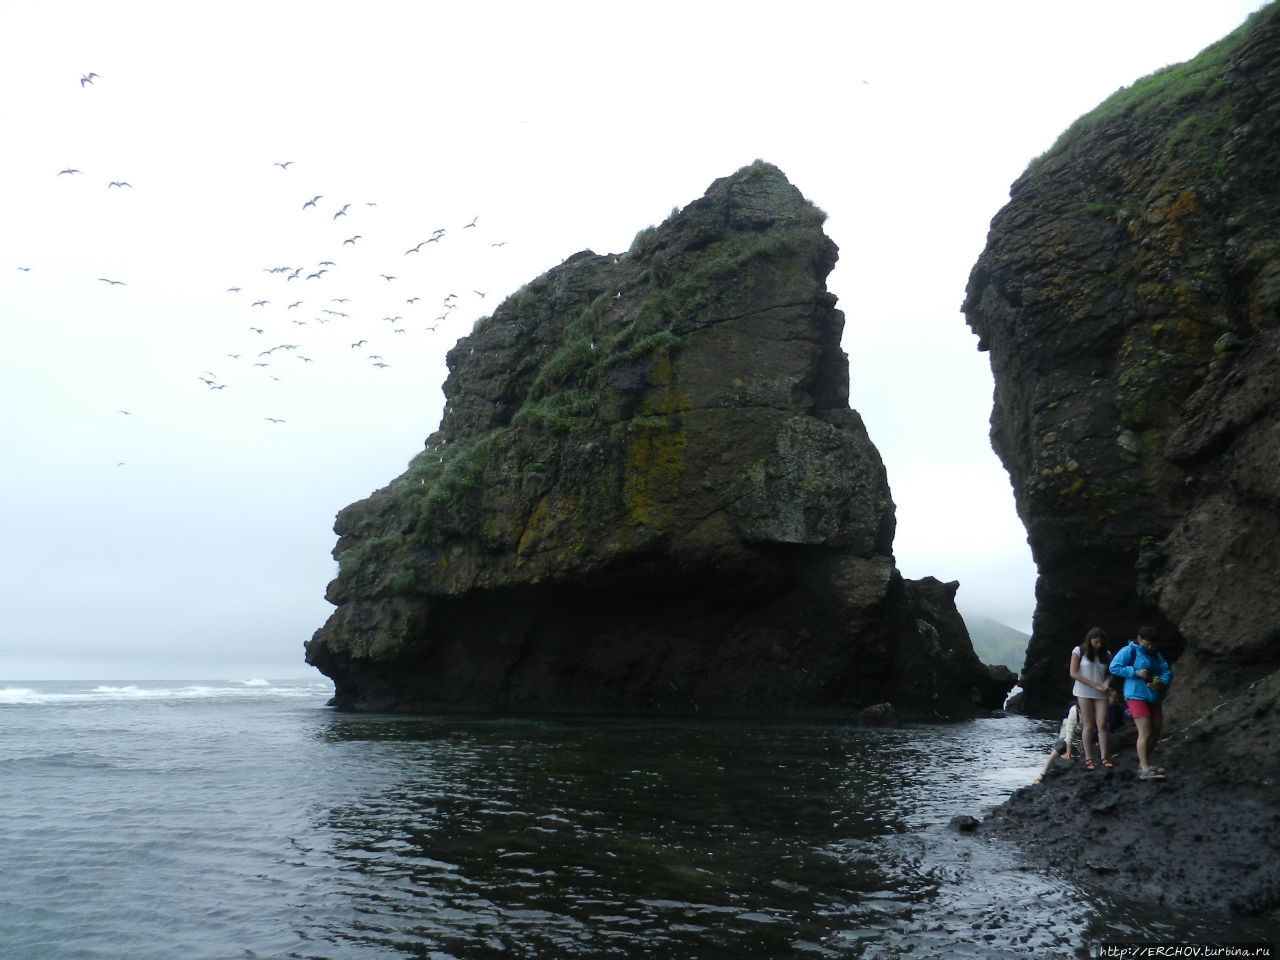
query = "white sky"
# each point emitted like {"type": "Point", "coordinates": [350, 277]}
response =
{"type": "Point", "coordinates": [192, 537]}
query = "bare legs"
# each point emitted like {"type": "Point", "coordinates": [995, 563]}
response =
{"type": "Point", "coordinates": [1093, 720]}
{"type": "Point", "coordinates": [1100, 722]}
{"type": "Point", "coordinates": [1148, 734]}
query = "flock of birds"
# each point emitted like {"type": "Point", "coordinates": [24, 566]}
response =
{"type": "Point", "coordinates": [287, 305]}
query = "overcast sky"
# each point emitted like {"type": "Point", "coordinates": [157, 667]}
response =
{"type": "Point", "coordinates": [191, 535]}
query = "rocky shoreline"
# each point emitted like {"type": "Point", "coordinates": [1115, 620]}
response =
{"type": "Point", "coordinates": [1188, 842]}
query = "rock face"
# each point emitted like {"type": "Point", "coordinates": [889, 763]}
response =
{"type": "Point", "coordinates": [648, 494]}
{"type": "Point", "coordinates": [1129, 295]}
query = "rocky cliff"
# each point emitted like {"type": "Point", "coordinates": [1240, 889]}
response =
{"type": "Point", "coordinates": [648, 494]}
{"type": "Point", "coordinates": [1129, 296]}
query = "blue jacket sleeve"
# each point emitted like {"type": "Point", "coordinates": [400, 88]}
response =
{"type": "Point", "coordinates": [1166, 672]}
{"type": "Point", "coordinates": [1122, 662]}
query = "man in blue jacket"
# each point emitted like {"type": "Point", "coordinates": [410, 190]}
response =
{"type": "Point", "coordinates": [1146, 678]}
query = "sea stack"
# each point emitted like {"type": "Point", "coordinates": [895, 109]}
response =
{"type": "Point", "coordinates": [648, 495]}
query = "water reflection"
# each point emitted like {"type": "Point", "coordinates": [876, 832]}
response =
{"type": "Point", "coordinates": [480, 838]}
{"type": "Point", "coordinates": [596, 838]}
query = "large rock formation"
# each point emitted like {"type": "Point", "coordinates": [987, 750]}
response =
{"type": "Point", "coordinates": [648, 493]}
{"type": "Point", "coordinates": [1129, 295]}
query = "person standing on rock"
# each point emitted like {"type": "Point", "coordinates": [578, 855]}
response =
{"type": "Point", "coordinates": [1146, 678]}
{"type": "Point", "coordinates": [1089, 670]}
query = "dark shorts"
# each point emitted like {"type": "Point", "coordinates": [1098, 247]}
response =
{"type": "Point", "coordinates": [1144, 708]}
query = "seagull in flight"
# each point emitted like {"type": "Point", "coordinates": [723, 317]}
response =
{"type": "Point", "coordinates": [312, 201]}
{"type": "Point", "coordinates": [297, 303]}
{"type": "Point", "coordinates": [342, 212]}
{"type": "Point", "coordinates": [114, 283]}
{"type": "Point", "coordinates": [273, 419]}
{"type": "Point", "coordinates": [359, 343]}
{"type": "Point", "coordinates": [259, 303]}
{"type": "Point", "coordinates": [414, 249]}
{"type": "Point", "coordinates": [87, 78]}
{"type": "Point", "coordinates": [233, 289]}
{"type": "Point", "coordinates": [413, 300]}
{"type": "Point", "coordinates": [386, 277]}
{"type": "Point", "coordinates": [127, 413]}
{"type": "Point", "coordinates": [119, 183]}
{"type": "Point", "coordinates": [351, 240]}
{"type": "Point", "coordinates": [283, 165]}
{"type": "Point", "coordinates": [472, 223]}
{"type": "Point", "coordinates": [256, 330]}
{"type": "Point", "coordinates": [339, 299]}
{"type": "Point", "coordinates": [69, 170]}
{"type": "Point", "coordinates": [500, 243]}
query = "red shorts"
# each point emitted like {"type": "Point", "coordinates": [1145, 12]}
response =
{"type": "Point", "coordinates": [1144, 708]}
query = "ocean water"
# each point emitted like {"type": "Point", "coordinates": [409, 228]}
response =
{"type": "Point", "coordinates": [246, 819]}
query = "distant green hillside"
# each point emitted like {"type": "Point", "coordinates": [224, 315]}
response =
{"type": "Point", "coordinates": [995, 642]}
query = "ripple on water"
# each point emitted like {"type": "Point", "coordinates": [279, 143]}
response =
{"type": "Point", "coordinates": [243, 828]}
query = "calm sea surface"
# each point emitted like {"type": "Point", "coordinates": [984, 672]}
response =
{"type": "Point", "coordinates": [241, 820]}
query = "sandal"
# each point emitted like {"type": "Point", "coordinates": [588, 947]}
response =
{"type": "Point", "coordinates": [1106, 762]}
{"type": "Point", "coordinates": [1088, 764]}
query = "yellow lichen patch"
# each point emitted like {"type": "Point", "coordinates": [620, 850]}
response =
{"type": "Point", "coordinates": [1184, 203]}
{"type": "Point", "coordinates": [533, 530]}
{"type": "Point", "coordinates": [1168, 212]}
{"type": "Point", "coordinates": [655, 466]}
{"type": "Point", "coordinates": [550, 527]}
{"type": "Point", "coordinates": [669, 400]}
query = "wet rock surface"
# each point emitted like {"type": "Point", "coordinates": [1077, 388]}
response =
{"type": "Point", "coordinates": [1185, 842]}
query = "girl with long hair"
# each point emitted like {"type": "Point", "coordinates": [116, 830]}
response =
{"type": "Point", "coordinates": [1089, 669]}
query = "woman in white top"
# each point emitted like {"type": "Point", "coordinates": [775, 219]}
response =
{"type": "Point", "coordinates": [1089, 663]}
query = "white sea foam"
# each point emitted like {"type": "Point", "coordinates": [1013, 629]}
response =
{"type": "Point", "coordinates": [18, 695]}
{"type": "Point", "coordinates": [69, 692]}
